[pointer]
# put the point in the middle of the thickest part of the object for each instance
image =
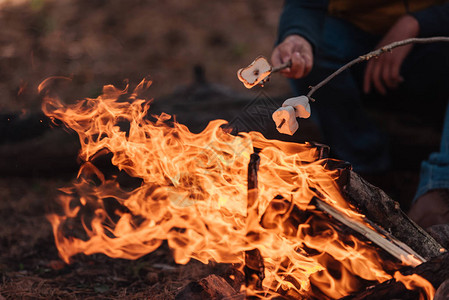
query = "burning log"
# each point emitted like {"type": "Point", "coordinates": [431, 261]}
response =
{"type": "Point", "coordinates": [436, 271]}
{"type": "Point", "coordinates": [254, 268]}
{"type": "Point", "coordinates": [401, 236]}
{"type": "Point", "coordinates": [443, 291]}
{"type": "Point", "coordinates": [382, 210]}
{"type": "Point", "coordinates": [440, 233]}
{"type": "Point", "coordinates": [210, 287]}
{"type": "Point", "coordinates": [387, 242]}
{"type": "Point", "coordinates": [379, 208]}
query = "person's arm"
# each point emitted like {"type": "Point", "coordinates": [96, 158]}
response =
{"type": "Point", "coordinates": [433, 21]}
{"type": "Point", "coordinates": [299, 30]}
{"type": "Point", "coordinates": [302, 17]}
{"type": "Point", "coordinates": [384, 72]}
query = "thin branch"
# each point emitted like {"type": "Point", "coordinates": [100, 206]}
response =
{"type": "Point", "coordinates": [375, 53]}
{"type": "Point", "coordinates": [285, 65]}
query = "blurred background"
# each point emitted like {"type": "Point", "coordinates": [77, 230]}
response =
{"type": "Point", "coordinates": [101, 42]}
{"type": "Point", "coordinates": [191, 50]}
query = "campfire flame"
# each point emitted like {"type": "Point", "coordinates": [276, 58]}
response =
{"type": "Point", "coordinates": [193, 194]}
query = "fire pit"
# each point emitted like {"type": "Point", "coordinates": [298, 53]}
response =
{"type": "Point", "coordinates": [274, 221]}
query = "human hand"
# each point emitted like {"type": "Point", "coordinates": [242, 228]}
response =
{"type": "Point", "coordinates": [383, 72]}
{"type": "Point", "coordinates": [299, 51]}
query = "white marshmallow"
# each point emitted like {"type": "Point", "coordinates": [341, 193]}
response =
{"type": "Point", "coordinates": [287, 117]}
{"type": "Point", "coordinates": [255, 73]}
{"type": "Point", "coordinates": [301, 105]}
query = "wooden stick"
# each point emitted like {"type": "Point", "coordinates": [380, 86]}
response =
{"type": "Point", "coordinates": [285, 65]}
{"type": "Point", "coordinates": [375, 53]}
{"type": "Point", "coordinates": [385, 241]}
{"type": "Point", "coordinates": [282, 123]}
{"type": "Point", "coordinates": [379, 208]}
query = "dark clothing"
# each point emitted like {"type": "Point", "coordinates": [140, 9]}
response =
{"type": "Point", "coordinates": [339, 107]}
{"type": "Point", "coordinates": [433, 21]}
{"type": "Point", "coordinates": [306, 17]}
{"type": "Point", "coordinates": [376, 16]}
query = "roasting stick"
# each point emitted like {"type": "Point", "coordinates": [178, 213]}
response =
{"type": "Point", "coordinates": [375, 54]}
{"type": "Point", "coordinates": [282, 123]}
{"type": "Point", "coordinates": [259, 71]}
{"type": "Point", "coordinates": [384, 240]}
{"type": "Point", "coordinates": [285, 65]}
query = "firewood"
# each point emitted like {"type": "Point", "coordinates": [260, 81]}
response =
{"type": "Point", "coordinates": [379, 208]}
{"type": "Point", "coordinates": [210, 287]}
{"type": "Point", "coordinates": [440, 233]}
{"type": "Point", "coordinates": [436, 271]}
{"type": "Point", "coordinates": [443, 291]}
{"type": "Point", "coordinates": [387, 242]}
{"type": "Point", "coordinates": [254, 266]}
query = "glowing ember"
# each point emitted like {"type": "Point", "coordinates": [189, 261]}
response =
{"type": "Point", "coordinates": [194, 195]}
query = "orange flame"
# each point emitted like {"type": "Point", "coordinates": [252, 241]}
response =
{"type": "Point", "coordinates": [415, 281]}
{"type": "Point", "coordinates": [194, 196]}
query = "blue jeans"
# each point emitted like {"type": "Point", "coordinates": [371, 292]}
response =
{"type": "Point", "coordinates": [338, 109]}
{"type": "Point", "coordinates": [435, 171]}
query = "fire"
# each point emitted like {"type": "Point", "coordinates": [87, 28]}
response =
{"type": "Point", "coordinates": [414, 281]}
{"type": "Point", "coordinates": [193, 194]}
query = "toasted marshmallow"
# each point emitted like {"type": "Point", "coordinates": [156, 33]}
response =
{"type": "Point", "coordinates": [255, 73]}
{"type": "Point", "coordinates": [301, 105]}
{"type": "Point", "coordinates": [285, 119]}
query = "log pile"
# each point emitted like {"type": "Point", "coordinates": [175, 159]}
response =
{"type": "Point", "coordinates": [379, 208]}
{"type": "Point", "coordinates": [385, 215]}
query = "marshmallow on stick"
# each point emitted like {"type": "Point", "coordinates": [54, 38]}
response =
{"type": "Point", "coordinates": [259, 71]}
{"type": "Point", "coordinates": [285, 119]}
{"type": "Point", "coordinates": [301, 105]}
{"type": "Point", "coordinates": [285, 116]}
{"type": "Point", "coordinates": [255, 73]}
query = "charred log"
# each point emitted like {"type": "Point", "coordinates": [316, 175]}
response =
{"type": "Point", "coordinates": [443, 291]}
{"type": "Point", "coordinates": [440, 233]}
{"type": "Point", "coordinates": [380, 237]}
{"type": "Point", "coordinates": [254, 267]}
{"type": "Point", "coordinates": [436, 271]}
{"type": "Point", "coordinates": [210, 287]}
{"type": "Point", "coordinates": [379, 208]}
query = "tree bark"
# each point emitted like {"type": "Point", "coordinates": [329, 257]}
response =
{"type": "Point", "coordinates": [379, 208]}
